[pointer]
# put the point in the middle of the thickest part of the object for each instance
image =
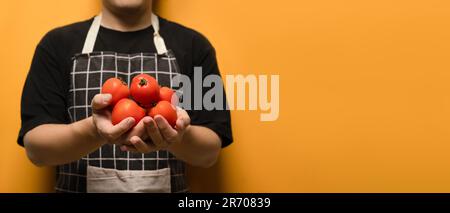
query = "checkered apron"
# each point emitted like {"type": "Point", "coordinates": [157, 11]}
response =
{"type": "Point", "coordinates": [90, 70]}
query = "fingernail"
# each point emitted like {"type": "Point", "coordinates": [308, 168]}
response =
{"type": "Point", "coordinates": [158, 120]}
{"type": "Point", "coordinates": [130, 121]}
{"type": "Point", "coordinates": [107, 97]}
{"type": "Point", "coordinates": [123, 148]}
{"type": "Point", "coordinates": [146, 120]}
{"type": "Point", "coordinates": [179, 123]}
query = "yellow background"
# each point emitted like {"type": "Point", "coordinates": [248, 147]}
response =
{"type": "Point", "coordinates": [365, 103]}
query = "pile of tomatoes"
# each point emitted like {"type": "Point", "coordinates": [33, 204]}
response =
{"type": "Point", "coordinates": [144, 97]}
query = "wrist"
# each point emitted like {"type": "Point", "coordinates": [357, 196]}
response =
{"type": "Point", "coordinates": [94, 134]}
{"type": "Point", "coordinates": [86, 130]}
{"type": "Point", "coordinates": [174, 146]}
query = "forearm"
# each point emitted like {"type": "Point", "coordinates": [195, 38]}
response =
{"type": "Point", "coordinates": [200, 147]}
{"type": "Point", "coordinates": [56, 144]}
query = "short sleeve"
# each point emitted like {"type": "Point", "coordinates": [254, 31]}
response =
{"type": "Point", "coordinates": [43, 96]}
{"type": "Point", "coordinates": [218, 120]}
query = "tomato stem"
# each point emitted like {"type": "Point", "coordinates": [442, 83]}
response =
{"type": "Point", "coordinates": [142, 82]}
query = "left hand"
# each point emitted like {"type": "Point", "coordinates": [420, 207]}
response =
{"type": "Point", "coordinates": [160, 132]}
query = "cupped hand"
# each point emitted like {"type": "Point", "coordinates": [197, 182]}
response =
{"type": "Point", "coordinates": [160, 132]}
{"type": "Point", "coordinates": [120, 133]}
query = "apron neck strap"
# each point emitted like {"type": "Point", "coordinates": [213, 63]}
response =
{"type": "Point", "coordinates": [95, 26]}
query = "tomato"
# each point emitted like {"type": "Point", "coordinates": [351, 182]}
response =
{"type": "Point", "coordinates": [127, 108]}
{"type": "Point", "coordinates": [166, 94]}
{"type": "Point", "coordinates": [145, 90]}
{"type": "Point", "coordinates": [117, 88]}
{"type": "Point", "coordinates": [165, 109]}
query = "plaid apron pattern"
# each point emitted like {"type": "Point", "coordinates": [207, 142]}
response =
{"type": "Point", "coordinates": [89, 72]}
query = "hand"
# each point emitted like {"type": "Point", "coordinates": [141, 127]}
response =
{"type": "Point", "coordinates": [114, 134]}
{"type": "Point", "coordinates": [161, 133]}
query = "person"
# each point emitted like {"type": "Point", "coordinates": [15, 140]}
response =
{"type": "Point", "coordinates": [66, 121]}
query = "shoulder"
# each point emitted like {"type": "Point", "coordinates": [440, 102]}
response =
{"type": "Point", "coordinates": [66, 37]}
{"type": "Point", "coordinates": [182, 34]}
{"type": "Point", "coordinates": [74, 29]}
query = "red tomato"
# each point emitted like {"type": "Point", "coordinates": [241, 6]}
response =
{"type": "Point", "coordinates": [166, 94]}
{"type": "Point", "coordinates": [145, 90]}
{"type": "Point", "coordinates": [127, 108]}
{"type": "Point", "coordinates": [165, 109]}
{"type": "Point", "coordinates": [117, 88]}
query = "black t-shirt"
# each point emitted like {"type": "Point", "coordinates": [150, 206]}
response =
{"type": "Point", "coordinates": [44, 97]}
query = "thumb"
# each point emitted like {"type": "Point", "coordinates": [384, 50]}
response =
{"type": "Point", "coordinates": [101, 101]}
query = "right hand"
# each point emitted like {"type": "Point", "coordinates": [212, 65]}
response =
{"type": "Point", "coordinates": [120, 133]}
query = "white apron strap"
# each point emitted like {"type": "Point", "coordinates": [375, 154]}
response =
{"type": "Point", "coordinates": [157, 39]}
{"type": "Point", "coordinates": [95, 26]}
{"type": "Point", "coordinates": [92, 35]}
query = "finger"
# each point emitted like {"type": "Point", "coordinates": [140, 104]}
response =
{"type": "Point", "coordinates": [137, 130]}
{"type": "Point", "coordinates": [183, 119]}
{"type": "Point", "coordinates": [180, 126]}
{"type": "Point", "coordinates": [184, 116]}
{"type": "Point", "coordinates": [164, 128]}
{"type": "Point", "coordinates": [140, 145]}
{"type": "Point", "coordinates": [153, 131]}
{"type": "Point", "coordinates": [100, 101]}
{"type": "Point", "coordinates": [114, 132]}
